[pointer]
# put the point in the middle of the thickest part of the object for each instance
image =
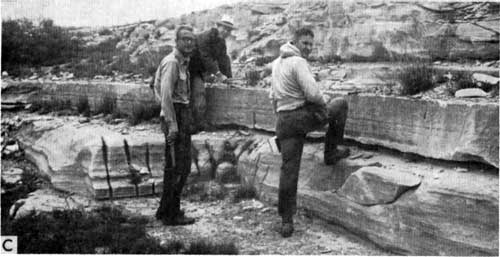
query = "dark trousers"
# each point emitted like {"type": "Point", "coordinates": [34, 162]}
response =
{"type": "Point", "coordinates": [291, 129]}
{"type": "Point", "coordinates": [174, 178]}
{"type": "Point", "coordinates": [198, 95]}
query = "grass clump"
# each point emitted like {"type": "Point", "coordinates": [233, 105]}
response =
{"type": "Point", "coordinates": [104, 230]}
{"type": "Point", "coordinates": [415, 78]}
{"type": "Point", "coordinates": [83, 106]}
{"type": "Point", "coordinates": [244, 192]}
{"type": "Point", "coordinates": [143, 112]}
{"type": "Point", "coordinates": [252, 77]}
{"type": "Point", "coordinates": [107, 104]}
{"type": "Point", "coordinates": [205, 246]}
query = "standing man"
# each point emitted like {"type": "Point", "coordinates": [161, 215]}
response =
{"type": "Point", "coordinates": [173, 90]}
{"type": "Point", "coordinates": [301, 108]}
{"type": "Point", "coordinates": [209, 62]}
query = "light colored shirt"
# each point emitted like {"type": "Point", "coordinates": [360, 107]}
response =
{"type": "Point", "coordinates": [172, 86]}
{"type": "Point", "coordinates": [292, 81]}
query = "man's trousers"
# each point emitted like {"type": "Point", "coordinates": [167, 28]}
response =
{"type": "Point", "coordinates": [291, 129]}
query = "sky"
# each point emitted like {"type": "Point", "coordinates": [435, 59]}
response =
{"type": "Point", "coordinates": [97, 13]}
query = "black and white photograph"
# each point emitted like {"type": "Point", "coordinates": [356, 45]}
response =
{"type": "Point", "coordinates": [250, 127]}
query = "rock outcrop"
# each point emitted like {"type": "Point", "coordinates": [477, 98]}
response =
{"type": "Point", "coordinates": [450, 130]}
{"type": "Point", "coordinates": [408, 207]}
{"type": "Point", "coordinates": [372, 31]}
{"type": "Point", "coordinates": [419, 210]}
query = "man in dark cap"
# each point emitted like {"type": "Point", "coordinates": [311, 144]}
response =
{"type": "Point", "coordinates": [209, 63]}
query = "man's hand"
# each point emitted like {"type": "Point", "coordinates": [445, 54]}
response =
{"type": "Point", "coordinates": [171, 136]}
{"type": "Point", "coordinates": [219, 77]}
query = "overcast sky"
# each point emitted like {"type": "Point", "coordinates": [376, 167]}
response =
{"type": "Point", "coordinates": [103, 12]}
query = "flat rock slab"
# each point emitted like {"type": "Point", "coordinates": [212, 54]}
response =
{"type": "Point", "coordinates": [373, 185]}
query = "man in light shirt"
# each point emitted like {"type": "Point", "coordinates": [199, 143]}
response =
{"type": "Point", "coordinates": [301, 107]}
{"type": "Point", "coordinates": [173, 91]}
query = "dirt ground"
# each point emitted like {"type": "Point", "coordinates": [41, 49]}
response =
{"type": "Point", "coordinates": [254, 227]}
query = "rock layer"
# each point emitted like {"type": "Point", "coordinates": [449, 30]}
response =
{"type": "Point", "coordinates": [445, 215]}
{"type": "Point", "coordinates": [449, 130]}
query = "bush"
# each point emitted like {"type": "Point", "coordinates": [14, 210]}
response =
{"type": "Point", "coordinates": [74, 231]}
{"type": "Point", "coordinates": [107, 105]}
{"type": "Point", "coordinates": [24, 44]}
{"type": "Point", "coordinates": [244, 192]}
{"type": "Point", "coordinates": [252, 77]}
{"type": "Point", "coordinates": [143, 112]}
{"type": "Point", "coordinates": [415, 78]}
{"type": "Point", "coordinates": [105, 31]}
{"type": "Point", "coordinates": [204, 246]}
{"type": "Point", "coordinates": [82, 106]}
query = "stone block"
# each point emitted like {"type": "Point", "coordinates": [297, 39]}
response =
{"type": "Point", "coordinates": [373, 185]}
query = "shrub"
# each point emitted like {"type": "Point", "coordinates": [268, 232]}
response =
{"type": "Point", "coordinates": [105, 31]}
{"type": "Point", "coordinates": [107, 105]}
{"type": "Point", "coordinates": [25, 44]}
{"type": "Point", "coordinates": [252, 77]}
{"type": "Point", "coordinates": [204, 246]}
{"type": "Point", "coordinates": [143, 112]}
{"type": "Point", "coordinates": [415, 78]}
{"type": "Point", "coordinates": [82, 106]}
{"type": "Point", "coordinates": [244, 192]}
{"type": "Point", "coordinates": [74, 231]}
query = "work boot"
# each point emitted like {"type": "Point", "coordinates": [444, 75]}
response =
{"type": "Point", "coordinates": [287, 227]}
{"type": "Point", "coordinates": [338, 154]}
{"type": "Point", "coordinates": [179, 220]}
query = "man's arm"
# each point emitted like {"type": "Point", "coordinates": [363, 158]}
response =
{"type": "Point", "coordinates": [205, 46]}
{"type": "Point", "coordinates": [168, 79]}
{"type": "Point", "coordinates": [307, 83]}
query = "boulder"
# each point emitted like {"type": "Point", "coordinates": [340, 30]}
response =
{"type": "Point", "coordinates": [485, 81]}
{"type": "Point", "coordinates": [47, 200]}
{"type": "Point", "coordinates": [12, 176]}
{"type": "Point", "coordinates": [71, 154]}
{"type": "Point", "coordinates": [373, 185]}
{"type": "Point", "coordinates": [470, 92]}
{"type": "Point", "coordinates": [226, 172]}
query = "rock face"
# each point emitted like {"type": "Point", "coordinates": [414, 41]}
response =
{"type": "Point", "coordinates": [419, 210]}
{"type": "Point", "coordinates": [449, 130]}
{"type": "Point", "coordinates": [344, 30]}
{"type": "Point", "coordinates": [459, 131]}
{"type": "Point", "coordinates": [373, 185]}
{"type": "Point", "coordinates": [72, 157]}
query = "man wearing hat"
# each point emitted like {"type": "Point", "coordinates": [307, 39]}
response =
{"type": "Point", "coordinates": [209, 62]}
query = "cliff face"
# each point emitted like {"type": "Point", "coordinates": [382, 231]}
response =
{"type": "Point", "coordinates": [344, 30]}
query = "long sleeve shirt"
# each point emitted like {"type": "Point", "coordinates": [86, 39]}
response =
{"type": "Point", "coordinates": [211, 54]}
{"type": "Point", "coordinates": [292, 81]}
{"type": "Point", "coordinates": [172, 86]}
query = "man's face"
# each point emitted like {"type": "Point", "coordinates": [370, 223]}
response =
{"type": "Point", "coordinates": [185, 42]}
{"type": "Point", "coordinates": [224, 31]}
{"type": "Point", "coordinates": [305, 44]}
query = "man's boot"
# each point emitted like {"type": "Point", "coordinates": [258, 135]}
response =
{"type": "Point", "coordinates": [338, 153]}
{"type": "Point", "coordinates": [179, 220]}
{"type": "Point", "coordinates": [287, 227]}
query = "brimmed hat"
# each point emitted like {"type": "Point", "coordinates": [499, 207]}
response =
{"type": "Point", "coordinates": [226, 21]}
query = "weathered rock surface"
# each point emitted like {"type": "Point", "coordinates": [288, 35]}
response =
{"type": "Point", "coordinates": [71, 154]}
{"type": "Point", "coordinates": [373, 185]}
{"type": "Point", "coordinates": [445, 215]}
{"type": "Point", "coordinates": [450, 130]}
{"type": "Point", "coordinates": [470, 92]}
